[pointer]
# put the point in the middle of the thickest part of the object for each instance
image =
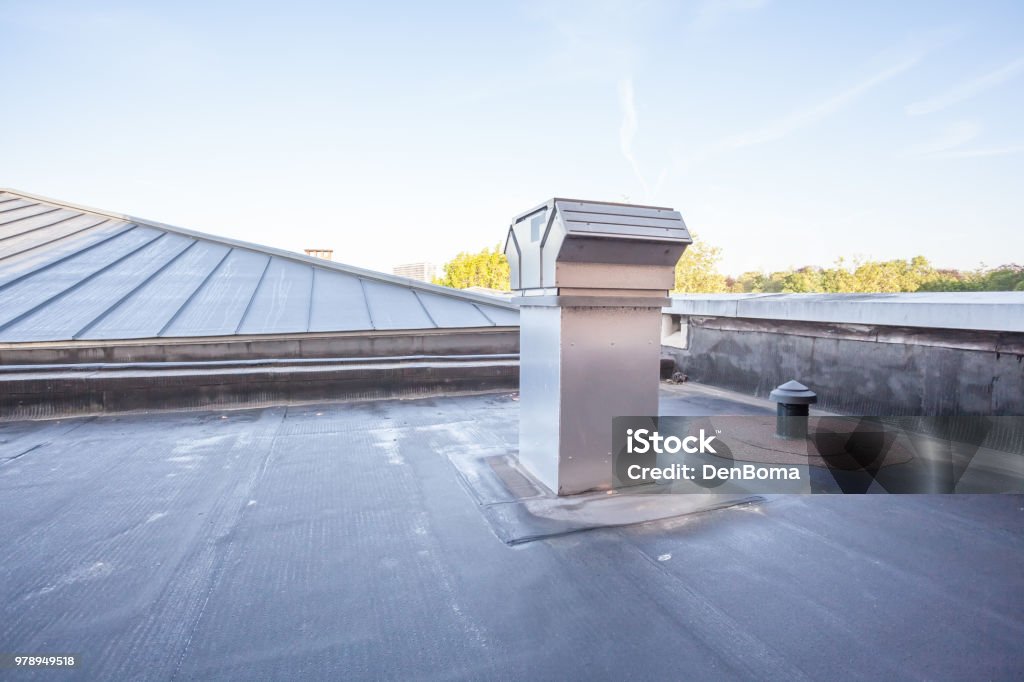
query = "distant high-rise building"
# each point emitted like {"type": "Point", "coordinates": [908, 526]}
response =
{"type": "Point", "coordinates": [326, 254]}
{"type": "Point", "coordinates": [424, 272]}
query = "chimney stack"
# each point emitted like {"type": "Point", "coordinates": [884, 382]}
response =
{"type": "Point", "coordinates": [592, 278]}
{"type": "Point", "coordinates": [326, 254]}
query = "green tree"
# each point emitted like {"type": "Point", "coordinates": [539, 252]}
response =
{"type": "Point", "coordinates": [746, 283]}
{"type": "Point", "coordinates": [756, 283]}
{"type": "Point", "coordinates": [805, 280]}
{"type": "Point", "coordinates": [1004, 278]}
{"type": "Point", "coordinates": [697, 273]}
{"type": "Point", "coordinates": [891, 276]}
{"type": "Point", "coordinates": [863, 276]}
{"type": "Point", "coordinates": [838, 279]}
{"type": "Point", "coordinates": [487, 268]}
{"type": "Point", "coordinates": [697, 270]}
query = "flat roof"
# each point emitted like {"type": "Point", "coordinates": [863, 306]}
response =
{"type": "Point", "coordinates": [344, 541]}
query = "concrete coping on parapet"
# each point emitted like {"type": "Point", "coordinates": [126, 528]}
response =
{"type": "Point", "coordinates": [998, 311]}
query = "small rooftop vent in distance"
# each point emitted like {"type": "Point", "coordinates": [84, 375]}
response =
{"type": "Point", "coordinates": [591, 279]}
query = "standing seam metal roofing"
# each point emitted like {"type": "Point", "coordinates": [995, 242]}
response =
{"type": "Point", "coordinates": [69, 272]}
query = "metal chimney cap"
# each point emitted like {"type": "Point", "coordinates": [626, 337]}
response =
{"type": "Point", "coordinates": [793, 393]}
{"type": "Point", "coordinates": [559, 243]}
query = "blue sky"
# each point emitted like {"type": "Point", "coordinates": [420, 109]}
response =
{"type": "Point", "coordinates": [787, 133]}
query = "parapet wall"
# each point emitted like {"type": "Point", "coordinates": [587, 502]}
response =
{"type": "Point", "coordinates": [870, 354]}
{"type": "Point", "coordinates": [49, 380]}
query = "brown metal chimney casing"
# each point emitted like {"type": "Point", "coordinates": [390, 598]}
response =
{"type": "Point", "coordinates": [592, 279]}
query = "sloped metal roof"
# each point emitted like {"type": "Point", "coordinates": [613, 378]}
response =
{"type": "Point", "coordinates": [69, 272]}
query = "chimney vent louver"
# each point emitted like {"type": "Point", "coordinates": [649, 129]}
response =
{"type": "Point", "coordinates": [592, 278]}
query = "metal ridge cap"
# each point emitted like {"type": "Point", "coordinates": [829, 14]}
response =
{"type": "Point", "coordinates": [552, 203]}
{"type": "Point", "coordinates": [282, 253]}
{"type": "Point", "coordinates": [613, 203]}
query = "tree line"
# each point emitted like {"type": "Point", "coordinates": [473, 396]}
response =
{"type": "Point", "coordinates": [697, 273]}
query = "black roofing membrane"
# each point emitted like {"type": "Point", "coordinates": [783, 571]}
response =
{"type": "Point", "coordinates": [344, 541]}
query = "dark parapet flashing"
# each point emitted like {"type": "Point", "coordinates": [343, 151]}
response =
{"type": "Point", "coordinates": [362, 344]}
{"type": "Point", "coordinates": [64, 391]}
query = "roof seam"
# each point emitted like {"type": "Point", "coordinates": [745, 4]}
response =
{"type": "Point", "coordinates": [15, 208]}
{"type": "Point", "coordinates": [366, 302]}
{"type": "Point", "coordinates": [41, 227]}
{"type": "Point", "coordinates": [80, 283]}
{"type": "Point", "coordinates": [133, 291]}
{"type": "Point", "coordinates": [252, 297]}
{"type": "Point", "coordinates": [424, 306]}
{"type": "Point", "coordinates": [195, 291]}
{"type": "Point", "coordinates": [486, 316]}
{"type": "Point", "coordinates": [309, 310]}
{"type": "Point", "coordinates": [26, 217]}
{"type": "Point", "coordinates": [55, 239]}
{"type": "Point", "coordinates": [128, 228]}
